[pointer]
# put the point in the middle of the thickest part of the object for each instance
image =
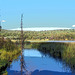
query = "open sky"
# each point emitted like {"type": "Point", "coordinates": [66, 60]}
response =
{"type": "Point", "coordinates": [37, 13]}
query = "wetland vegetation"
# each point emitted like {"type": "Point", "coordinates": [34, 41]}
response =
{"type": "Point", "coordinates": [63, 51]}
{"type": "Point", "coordinates": [41, 35]}
{"type": "Point", "coordinates": [8, 52]}
{"type": "Point", "coordinates": [10, 46]}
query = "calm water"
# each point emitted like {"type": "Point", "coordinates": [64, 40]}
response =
{"type": "Point", "coordinates": [61, 41]}
{"type": "Point", "coordinates": [38, 64]}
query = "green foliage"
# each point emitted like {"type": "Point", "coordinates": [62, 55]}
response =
{"type": "Point", "coordinates": [34, 45]}
{"type": "Point", "coordinates": [2, 62]}
{"type": "Point", "coordinates": [50, 35]}
{"type": "Point", "coordinates": [5, 73]}
{"type": "Point", "coordinates": [69, 55]}
{"type": "Point", "coordinates": [8, 52]}
{"type": "Point", "coordinates": [7, 44]}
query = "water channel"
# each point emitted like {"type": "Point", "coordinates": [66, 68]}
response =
{"type": "Point", "coordinates": [36, 63]}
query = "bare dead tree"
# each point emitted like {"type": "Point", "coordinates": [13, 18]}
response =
{"type": "Point", "coordinates": [0, 24]}
{"type": "Point", "coordinates": [21, 44]}
{"type": "Point", "coordinates": [23, 65]}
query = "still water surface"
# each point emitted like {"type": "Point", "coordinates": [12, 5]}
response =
{"type": "Point", "coordinates": [62, 41]}
{"type": "Point", "coordinates": [39, 64]}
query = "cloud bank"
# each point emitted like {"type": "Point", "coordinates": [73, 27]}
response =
{"type": "Point", "coordinates": [41, 28]}
{"type": "Point", "coordinates": [73, 25]}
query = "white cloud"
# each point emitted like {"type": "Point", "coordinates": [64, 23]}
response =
{"type": "Point", "coordinates": [73, 25]}
{"type": "Point", "coordinates": [3, 21]}
{"type": "Point", "coordinates": [40, 28]}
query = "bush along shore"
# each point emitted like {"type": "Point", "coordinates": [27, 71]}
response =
{"type": "Point", "coordinates": [8, 52]}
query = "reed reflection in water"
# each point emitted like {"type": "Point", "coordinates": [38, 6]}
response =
{"type": "Point", "coordinates": [23, 66]}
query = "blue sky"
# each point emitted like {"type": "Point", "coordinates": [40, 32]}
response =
{"type": "Point", "coordinates": [37, 13]}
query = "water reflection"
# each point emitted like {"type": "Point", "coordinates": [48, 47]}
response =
{"type": "Point", "coordinates": [42, 72]}
{"type": "Point", "coordinates": [23, 65]}
{"type": "Point", "coordinates": [38, 64]}
{"type": "Point", "coordinates": [18, 67]}
{"type": "Point", "coordinates": [59, 50]}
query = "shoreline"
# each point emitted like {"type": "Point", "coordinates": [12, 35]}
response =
{"type": "Point", "coordinates": [46, 40]}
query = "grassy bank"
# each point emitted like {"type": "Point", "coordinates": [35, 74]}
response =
{"type": "Point", "coordinates": [6, 57]}
{"type": "Point", "coordinates": [8, 52]}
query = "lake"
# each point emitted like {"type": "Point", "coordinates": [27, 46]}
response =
{"type": "Point", "coordinates": [37, 63]}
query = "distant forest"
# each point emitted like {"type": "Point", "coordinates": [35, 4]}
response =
{"type": "Point", "coordinates": [35, 35]}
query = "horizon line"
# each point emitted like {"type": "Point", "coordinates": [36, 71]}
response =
{"type": "Point", "coordinates": [41, 28]}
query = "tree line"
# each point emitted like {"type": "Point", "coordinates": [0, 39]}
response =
{"type": "Point", "coordinates": [34, 35]}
